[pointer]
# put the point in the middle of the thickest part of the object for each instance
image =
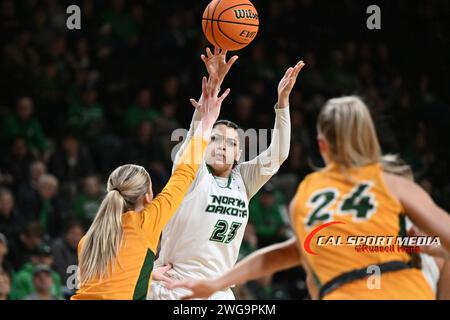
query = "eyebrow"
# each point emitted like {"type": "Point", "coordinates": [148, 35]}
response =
{"type": "Point", "coordinates": [221, 136]}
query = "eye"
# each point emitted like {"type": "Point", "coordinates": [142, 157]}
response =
{"type": "Point", "coordinates": [213, 138]}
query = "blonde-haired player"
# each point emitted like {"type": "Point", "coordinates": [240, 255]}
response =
{"type": "Point", "coordinates": [353, 190]}
{"type": "Point", "coordinates": [116, 254]}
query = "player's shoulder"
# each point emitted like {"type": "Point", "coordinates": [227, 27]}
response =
{"type": "Point", "coordinates": [311, 178]}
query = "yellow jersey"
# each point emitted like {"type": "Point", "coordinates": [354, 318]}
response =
{"type": "Point", "coordinates": [131, 272]}
{"type": "Point", "coordinates": [335, 208]}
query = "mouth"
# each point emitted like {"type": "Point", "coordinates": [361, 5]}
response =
{"type": "Point", "coordinates": [220, 157]}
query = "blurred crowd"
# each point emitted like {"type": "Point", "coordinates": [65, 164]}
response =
{"type": "Point", "coordinates": [74, 104]}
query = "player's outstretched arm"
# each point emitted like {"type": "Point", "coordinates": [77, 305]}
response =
{"type": "Point", "coordinates": [420, 208]}
{"type": "Point", "coordinates": [159, 211]}
{"type": "Point", "coordinates": [265, 261]}
{"type": "Point", "coordinates": [217, 66]}
{"type": "Point", "coordinates": [258, 171]}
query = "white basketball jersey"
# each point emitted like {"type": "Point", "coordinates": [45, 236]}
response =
{"type": "Point", "coordinates": [430, 269]}
{"type": "Point", "coordinates": [203, 238]}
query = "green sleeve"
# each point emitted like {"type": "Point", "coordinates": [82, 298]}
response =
{"type": "Point", "coordinates": [40, 140]}
{"type": "Point", "coordinates": [22, 286]}
{"type": "Point", "coordinates": [57, 285]}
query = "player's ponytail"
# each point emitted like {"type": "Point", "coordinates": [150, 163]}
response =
{"type": "Point", "coordinates": [126, 186]}
{"type": "Point", "coordinates": [347, 126]}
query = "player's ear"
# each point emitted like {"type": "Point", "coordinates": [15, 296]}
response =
{"type": "Point", "coordinates": [323, 145]}
{"type": "Point", "coordinates": [148, 196]}
{"type": "Point", "coordinates": [238, 155]}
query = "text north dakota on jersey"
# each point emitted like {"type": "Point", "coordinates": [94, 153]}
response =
{"type": "Point", "coordinates": [227, 205]}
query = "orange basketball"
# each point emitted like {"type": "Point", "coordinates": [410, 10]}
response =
{"type": "Point", "coordinates": [230, 24]}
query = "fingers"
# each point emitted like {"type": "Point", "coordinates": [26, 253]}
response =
{"type": "Point", "coordinates": [298, 67]}
{"type": "Point", "coordinates": [208, 53]}
{"type": "Point", "coordinates": [205, 87]}
{"type": "Point", "coordinates": [188, 297]}
{"type": "Point", "coordinates": [167, 267]}
{"type": "Point", "coordinates": [194, 103]}
{"type": "Point", "coordinates": [166, 280]}
{"type": "Point", "coordinates": [231, 61]}
{"type": "Point", "coordinates": [288, 72]}
{"type": "Point", "coordinates": [224, 95]}
{"type": "Point", "coordinates": [292, 73]}
{"type": "Point", "coordinates": [203, 58]}
{"type": "Point", "coordinates": [216, 50]}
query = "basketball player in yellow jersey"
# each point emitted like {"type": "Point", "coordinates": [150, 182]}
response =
{"type": "Point", "coordinates": [353, 192]}
{"type": "Point", "coordinates": [116, 255]}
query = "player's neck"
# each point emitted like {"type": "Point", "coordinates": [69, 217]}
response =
{"type": "Point", "coordinates": [223, 174]}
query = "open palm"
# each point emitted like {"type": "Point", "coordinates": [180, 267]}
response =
{"type": "Point", "coordinates": [287, 83]}
{"type": "Point", "coordinates": [216, 63]}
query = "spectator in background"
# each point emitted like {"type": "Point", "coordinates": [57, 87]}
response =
{"type": "Point", "coordinates": [24, 124]}
{"type": "Point", "coordinates": [244, 112]}
{"type": "Point", "coordinates": [11, 221]}
{"type": "Point", "coordinates": [20, 56]}
{"type": "Point", "coordinates": [293, 170]}
{"type": "Point", "coordinates": [65, 248]}
{"type": "Point", "coordinates": [119, 21]}
{"type": "Point", "coordinates": [22, 247]}
{"type": "Point", "coordinates": [4, 263]}
{"type": "Point", "coordinates": [268, 215]}
{"type": "Point", "coordinates": [51, 97]}
{"type": "Point", "coordinates": [147, 150]}
{"type": "Point", "coordinates": [46, 207]}
{"type": "Point", "coordinates": [43, 284]}
{"type": "Point", "coordinates": [15, 165]}
{"type": "Point", "coordinates": [167, 122]}
{"type": "Point", "coordinates": [86, 117]}
{"type": "Point", "coordinates": [171, 88]}
{"type": "Point", "coordinates": [23, 283]}
{"type": "Point", "coordinates": [249, 242]}
{"type": "Point", "coordinates": [89, 200]}
{"type": "Point", "coordinates": [5, 284]}
{"type": "Point", "coordinates": [70, 163]}
{"type": "Point", "coordinates": [28, 191]}
{"type": "Point", "coordinates": [141, 111]}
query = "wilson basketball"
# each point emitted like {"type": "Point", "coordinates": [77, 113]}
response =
{"type": "Point", "coordinates": [230, 24]}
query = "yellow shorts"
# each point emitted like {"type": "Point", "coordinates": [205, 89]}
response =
{"type": "Point", "coordinates": [408, 284]}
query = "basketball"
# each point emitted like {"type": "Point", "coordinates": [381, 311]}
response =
{"type": "Point", "coordinates": [230, 24]}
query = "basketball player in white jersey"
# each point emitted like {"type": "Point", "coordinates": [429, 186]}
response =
{"type": "Point", "coordinates": [202, 240]}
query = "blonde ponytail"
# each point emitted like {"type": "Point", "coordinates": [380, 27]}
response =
{"type": "Point", "coordinates": [126, 186]}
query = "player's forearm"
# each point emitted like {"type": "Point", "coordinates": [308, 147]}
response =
{"type": "Point", "coordinates": [262, 262]}
{"type": "Point", "coordinates": [192, 127]}
{"type": "Point", "coordinates": [203, 130]}
{"type": "Point", "coordinates": [281, 136]}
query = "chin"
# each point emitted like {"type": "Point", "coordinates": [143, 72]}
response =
{"type": "Point", "coordinates": [220, 166]}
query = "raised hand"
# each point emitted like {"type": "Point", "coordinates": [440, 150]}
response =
{"type": "Point", "coordinates": [209, 108]}
{"type": "Point", "coordinates": [216, 63]}
{"type": "Point", "coordinates": [287, 83]}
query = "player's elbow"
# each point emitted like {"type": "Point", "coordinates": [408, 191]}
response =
{"type": "Point", "coordinates": [284, 154]}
